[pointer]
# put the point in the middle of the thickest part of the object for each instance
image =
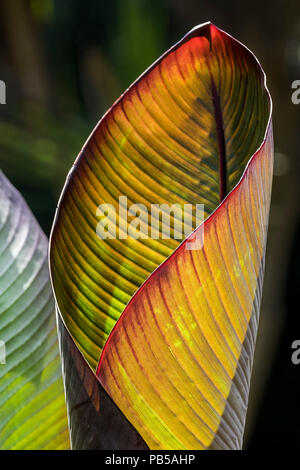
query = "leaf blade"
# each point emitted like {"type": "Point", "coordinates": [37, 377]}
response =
{"type": "Point", "coordinates": [140, 150]}
{"type": "Point", "coordinates": [32, 404]}
{"type": "Point", "coordinates": [178, 358]}
{"type": "Point", "coordinates": [96, 423]}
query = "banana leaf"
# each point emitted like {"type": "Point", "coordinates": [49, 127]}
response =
{"type": "Point", "coordinates": [166, 327]}
{"type": "Point", "coordinates": [32, 402]}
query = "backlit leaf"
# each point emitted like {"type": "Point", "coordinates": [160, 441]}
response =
{"type": "Point", "coordinates": [192, 129]}
{"type": "Point", "coordinates": [32, 403]}
{"type": "Point", "coordinates": [178, 362]}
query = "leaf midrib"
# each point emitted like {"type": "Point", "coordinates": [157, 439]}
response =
{"type": "Point", "coordinates": [221, 139]}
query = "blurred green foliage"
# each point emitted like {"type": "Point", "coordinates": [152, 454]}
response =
{"type": "Point", "coordinates": [81, 59]}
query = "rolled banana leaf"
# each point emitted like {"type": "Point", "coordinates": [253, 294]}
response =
{"type": "Point", "coordinates": [166, 326]}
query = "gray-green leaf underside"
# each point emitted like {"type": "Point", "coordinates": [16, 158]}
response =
{"type": "Point", "coordinates": [32, 402]}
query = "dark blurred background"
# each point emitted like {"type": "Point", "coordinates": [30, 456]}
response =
{"type": "Point", "coordinates": [65, 62]}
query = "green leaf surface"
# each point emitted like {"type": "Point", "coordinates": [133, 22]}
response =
{"type": "Point", "coordinates": [32, 402]}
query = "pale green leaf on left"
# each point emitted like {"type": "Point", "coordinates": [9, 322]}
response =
{"type": "Point", "coordinates": [32, 402]}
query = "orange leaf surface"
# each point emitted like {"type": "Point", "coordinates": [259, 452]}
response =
{"type": "Point", "coordinates": [178, 362]}
{"type": "Point", "coordinates": [175, 327]}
